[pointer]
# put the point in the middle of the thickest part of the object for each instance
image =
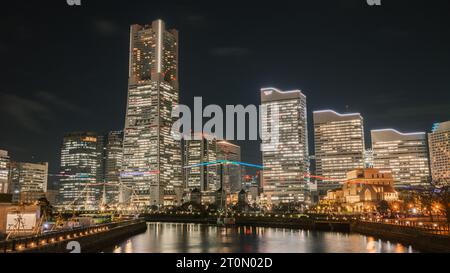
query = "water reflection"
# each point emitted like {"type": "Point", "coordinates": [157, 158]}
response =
{"type": "Point", "coordinates": [199, 238]}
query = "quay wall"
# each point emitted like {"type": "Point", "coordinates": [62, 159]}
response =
{"type": "Point", "coordinates": [280, 222]}
{"type": "Point", "coordinates": [422, 241]}
{"type": "Point", "coordinates": [88, 243]}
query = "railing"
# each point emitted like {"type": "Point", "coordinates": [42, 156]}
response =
{"type": "Point", "coordinates": [48, 238]}
{"type": "Point", "coordinates": [415, 226]}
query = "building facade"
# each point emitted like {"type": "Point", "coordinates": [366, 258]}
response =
{"type": "Point", "coordinates": [339, 147]}
{"type": "Point", "coordinates": [151, 156]}
{"type": "Point", "coordinates": [406, 154]}
{"type": "Point", "coordinates": [81, 155]}
{"type": "Point", "coordinates": [286, 161]}
{"type": "Point", "coordinates": [368, 158]}
{"type": "Point", "coordinates": [197, 176]}
{"type": "Point", "coordinates": [4, 171]}
{"type": "Point", "coordinates": [439, 147]}
{"type": "Point", "coordinates": [362, 191]}
{"type": "Point", "coordinates": [232, 174]}
{"type": "Point", "coordinates": [28, 181]}
{"type": "Point", "coordinates": [111, 148]}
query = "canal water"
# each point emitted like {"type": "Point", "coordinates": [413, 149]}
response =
{"type": "Point", "coordinates": [201, 238]}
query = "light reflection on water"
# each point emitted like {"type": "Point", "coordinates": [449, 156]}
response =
{"type": "Point", "coordinates": [200, 238]}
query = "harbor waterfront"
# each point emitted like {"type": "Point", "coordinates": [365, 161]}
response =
{"type": "Point", "coordinates": [250, 233]}
{"type": "Point", "coordinates": [74, 240]}
{"type": "Point", "coordinates": [204, 238]}
{"type": "Point", "coordinates": [231, 131]}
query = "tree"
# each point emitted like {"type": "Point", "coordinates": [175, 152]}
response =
{"type": "Point", "coordinates": [442, 194]}
{"type": "Point", "coordinates": [437, 193]}
{"type": "Point", "coordinates": [426, 199]}
{"type": "Point", "coordinates": [383, 207]}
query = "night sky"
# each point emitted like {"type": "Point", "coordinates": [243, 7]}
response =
{"type": "Point", "coordinates": [65, 68]}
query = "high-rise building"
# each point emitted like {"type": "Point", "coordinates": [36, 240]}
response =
{"type": "Point", "coordinates": [232, 181]}
{"type": "Point", "coordinates": [286, 161]}
{"type": "Point", "coordinates": [80, 163]}
{"type": "Point", "coordinates": [196, 152]}
{"type": "Point", "coordinates": [405, 154]}
{"type": "Point", "coordinates": [28, 181]}
{"type": "Point", "coordinates": [339, 147]}
{"type": "Point", "coordinates": [439, 146]}
{"type": "Point", "coordinates": [4, 171]}
{"type": "Point", "coordinates": [368, 158]}
{"type": "Point", "coordinates": [111, 162]}
{"type": "Point", "coordinates": [151, 155]}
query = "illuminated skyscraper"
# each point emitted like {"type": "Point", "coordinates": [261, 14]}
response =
{"type": "Point", "coordinates": [232, 180]}
{"type": "Point", "coordinates": [28, 181]}
{"type": "Point", "coordinates": [339, 146]}
{"type": "Point", "coordinates": [111, 162]}
{"type": "Point", "coordinates": [4, 171]}
{"type": "Point", "coordinates": [80, 163]}
{"type": "Point", "coordinates": [199, 151]}
{"type": "Point", "coordinates": [439, 145]}
{"type": "Point", "coordinates": [368, 158]}
{"type": "Point", "coordinates": [405, 154]}
{"type": "Point", "coordinates": [285, 162]}
{"type": "Point", "coordinates": [151, 156]}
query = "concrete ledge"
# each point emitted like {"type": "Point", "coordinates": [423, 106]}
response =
{"type": "Point", "coordinates": [425, 242]}
{"type": "Point", "coordinates": [91, 242]}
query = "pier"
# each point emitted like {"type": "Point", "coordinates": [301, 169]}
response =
{"type": "Point", "coordinates": [90, 239]}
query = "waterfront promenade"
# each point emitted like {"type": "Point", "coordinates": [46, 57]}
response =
{"type": "Point", "coordinates": [427, 237]}
{"type": "Point", "coordinates": [90, 239]}
{"type": "Point", "coordinates": [423, 236]}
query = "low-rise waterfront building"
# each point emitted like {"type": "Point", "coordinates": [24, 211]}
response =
{"type": "Point", "coordinates": [363, 189]}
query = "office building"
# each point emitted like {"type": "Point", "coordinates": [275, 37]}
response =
{"type": "Point", "coordinates": [285, 161]}
{"type": "Point", "coordinates": [232, 174]}
{"type": "Point", "coordinates": [151, 156]}
{"type": "Point", "coordinates": [4, 171]}
{"type": "Point", "coordinates": [406, 154]}
{"type": "Point", "coordinates": [197, 176]}
{"type": "Point", "coordinates": [111, 146]}
{"type": "Point", "coordinates": [80, 163]}
{"type": "Point", "coordinates": [28, 181]}
{"type": "Point", "coordinates": [439, 147]}
{"type": "Point", "coordinates": [368, 158]}
{"type": "Point", "coordinates": [339, 147]}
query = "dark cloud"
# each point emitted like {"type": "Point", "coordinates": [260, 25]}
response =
{"type": "Point", "coordinates": [195, 19]}
{"type": "Point", "coordinates": [229, 51]}
{"type": "Point", "coordinates": [106, 27]}
{"type": "Point", "coordinates": [422, 111]}
{"type": "Point", "coordinates": [59, 102]}
{"type": "Point", "coordinates": [30, 114]}
{"type": "Point", "coordinates": [34, 113]}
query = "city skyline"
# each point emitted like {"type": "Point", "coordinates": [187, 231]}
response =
{"type": "Point", "coordinates": [316, 128]}
{"type": "Point", "coordinates": [111, 32]}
